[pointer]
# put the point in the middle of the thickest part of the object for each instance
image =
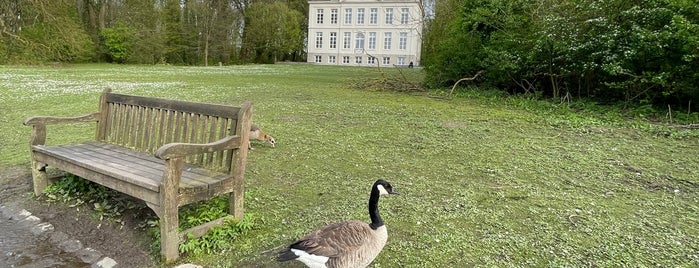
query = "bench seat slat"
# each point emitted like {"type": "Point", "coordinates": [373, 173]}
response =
{"type": "Point", "coordinates": [190, 172]}
{"type": "Point", "coordinates": [135, 168]}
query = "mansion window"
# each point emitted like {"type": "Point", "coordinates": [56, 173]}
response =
{"type": "Point", "coordinates": [319, 16]}
{"type": "Point", "coordinates": [346, 40]}
{"type": "Point", "coordinates": [371, 60]}
{"type": "Point", "coordinates": [387, 40]}
{"type": "Point", "coordinates": [360, 16]}
{"type": "Point", "coordinates": [319, 58]}
{"type": "Point", "coordinates": [403, 41]}
{"type": "Point", "coordinates": [386, 60]}
{"type": "Point", "coordinates": [333, 16]}
{"type": "Point", "coordinates": [333, 39]}
{"type": "Point", "coordinates": [372, 40]}
{"type": "Point", "coordinates": [331, 59]}
{"type": "Point", "coordinates": [319, 40]}
{"type": "Point", "coordinates": [373, 16]}
{"type": "Point", "coordinates": [360, 41]}
{"type": "Point", "coordinates": [345, 59]}
{"type": "Point", "coordinates": [404, 16]}
{"type": "Point", "coordinates": [389, 15]}
{"type": "Point", "coordinates": [348, 16]}
{"type": "Point", "coordinates": [401, 60]}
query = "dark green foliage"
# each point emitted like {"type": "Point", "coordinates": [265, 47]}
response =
{"type": "Point", "coordinates": [273, 32]}
{"type": "Point", "coordinates": [117, 42]}
{"type": "Point", "coordinates": [635, 52]}
{"type": "Point", "coordinates": [42, 31]}
{"type": "Point", "coordinates": [168, 31]}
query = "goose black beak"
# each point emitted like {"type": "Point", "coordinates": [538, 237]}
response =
{"type": "Point", "coordinates": [394, 192]}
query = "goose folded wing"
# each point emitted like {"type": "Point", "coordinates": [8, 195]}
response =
{"type": "Point", "coordinates": [335, 239]}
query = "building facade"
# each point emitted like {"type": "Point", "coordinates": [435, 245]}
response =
{"type": "Point", "coordinates": [364, 32]}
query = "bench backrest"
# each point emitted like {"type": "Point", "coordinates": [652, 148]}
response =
{"type": "Point", "coordinates": [144, 124]}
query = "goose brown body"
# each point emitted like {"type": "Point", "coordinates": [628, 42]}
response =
{"type": "Point", "coordinates": [347, 244]}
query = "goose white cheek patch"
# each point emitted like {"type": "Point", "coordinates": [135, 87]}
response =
{"type": "Point", "coordinates": [382, 190]}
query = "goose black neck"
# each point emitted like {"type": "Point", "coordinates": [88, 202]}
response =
{"type": "Point", "coordinates": [376, 220]}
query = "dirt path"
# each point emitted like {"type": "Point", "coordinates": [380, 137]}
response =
{"type": "Point", "coordinates": [127, 244]}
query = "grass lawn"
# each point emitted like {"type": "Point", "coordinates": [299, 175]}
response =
{"type": "Point", "coordinates": [485, 180]}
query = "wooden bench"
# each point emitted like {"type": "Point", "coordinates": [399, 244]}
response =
{"type": "Point", "coordinates": [167, 153]}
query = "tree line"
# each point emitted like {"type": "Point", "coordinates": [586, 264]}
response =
{"type": "Point", "coordinates": [187, 32]}
{"type": "Point", "coordinates": [640, 52]}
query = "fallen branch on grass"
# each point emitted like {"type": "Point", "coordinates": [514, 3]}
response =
{"type": "Point", "coordinates": [690, 126]}
{"type": "Point", "coordinates": [464, 79]}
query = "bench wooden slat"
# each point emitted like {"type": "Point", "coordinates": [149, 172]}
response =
{"type": "Point", "coordinates": [127, 162]}
{"type": "Point", "coordinates": [174, 105]}
{"type": "Point", "coordinates": [192, 176]}
{"type": "Point", "coordinates": [145, 172]}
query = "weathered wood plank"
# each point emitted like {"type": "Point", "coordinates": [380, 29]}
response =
{"type": "Point", "coordinates": [201, 230]}
{"type": "Point", "coordinates": [98, 177]}
{"type": "Point", "coordinates": [103, 120]}
{"type": "Point", "coordinates": [150, 160]}
{"type": "Point", "coordinates": [176, 105]}
{"type": "Point", "coordinates": [169, 222]}
{"type": "Point", "coordinates": [88, 161]}
{"type": "Point", "coordinates": [192, 179]}
{"type": "Point", "coordinates": [51, 120]}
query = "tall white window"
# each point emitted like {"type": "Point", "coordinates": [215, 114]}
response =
{"type": "Point", "coordinates": [360, 16]}
{"type": "Point", "coordinates": [387, 40]}
{"type": "Point", "coordinates": [389, 15]}
{"type": "Point", "coordinates": [403, 41]}
{"type": "Point", "coordinates": [360, 41]}
{"type": "Point", "coordinates": [386, 60]}
{"type": "Point", "coordinates": [319, 16]}
{"type": "Point", "coordinates": [348, 16]}
{"type": "Point", "coordinates": [346, 40]}
{"type": "Point", "coordinates": [319, 58]}
{"type": "Point", "coordinates": [319, 39]}
{"type": "Point", "coordinates": [333, 39]}
{"type": "Point", "coordinates": [401, 61]}
{"type": "Point", "coordinates": [333, 16]}
{"type": "Point", "coordinates": [403, 16]}
{"type": "Point", "coordinates": [372, 40]}
{"type": "Point", "coordinates": [373, 16]}
{"type": "Point", "coordinates": [331, 59]}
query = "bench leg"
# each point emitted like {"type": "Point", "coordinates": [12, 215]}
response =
{"type": "Point", "coordinates": [39, 177]}
{"type": "Point", "coordinates": [169, 234]}
{"type": "Point", "coordinates": [169, 223]}
{"type": "Point", "coordinates": [235, 200]}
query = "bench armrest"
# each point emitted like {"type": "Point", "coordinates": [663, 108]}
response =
{"type": "Point", "coordinates": [48, 120]}
{"type": "Point", "coordinates": [39, 123]}
{"type": "Point", "coordinates": [177, 149]}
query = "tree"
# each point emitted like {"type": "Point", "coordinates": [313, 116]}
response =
{"type": "Point", "coordinates": [42, 30]}
{"type": "Point", "coordinates": [272, 31]}
{"type": "Point", "coordinates": [637, 52]}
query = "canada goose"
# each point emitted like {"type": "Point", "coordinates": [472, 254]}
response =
{"type": "Point", "coordinates": [344, 244]}
{"type": "Point", "coordinates": [257, 134]}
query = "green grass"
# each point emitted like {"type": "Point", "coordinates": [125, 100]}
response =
{"type": "Point", "coordinates": [485, 180]}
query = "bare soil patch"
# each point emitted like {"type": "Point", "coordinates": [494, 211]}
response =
{"type": "Point", "coordinates": [127, 244]}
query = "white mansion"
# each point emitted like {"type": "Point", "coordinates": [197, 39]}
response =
{"type": "Point", "coordinates": [364, 32]}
